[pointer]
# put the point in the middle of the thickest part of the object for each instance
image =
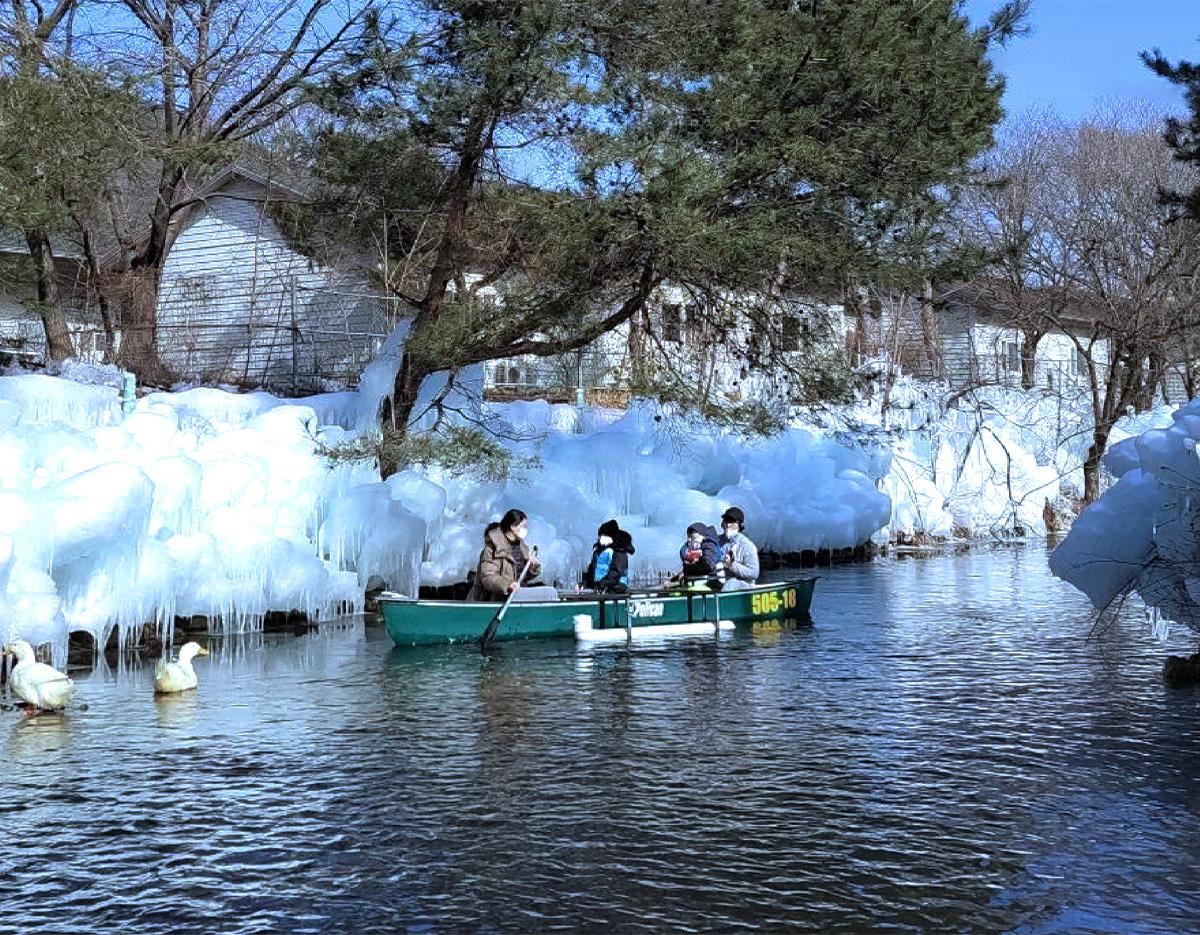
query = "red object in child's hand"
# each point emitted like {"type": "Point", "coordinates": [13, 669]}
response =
{"type": "Point", "coordinates": [693, 555]}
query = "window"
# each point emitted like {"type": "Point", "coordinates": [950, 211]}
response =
{"type": "Point", "coordinates": [694, 322]}
{"type": "Point", "coordinates": [758, 331]}
{"type": "Point", "coordinates": [1079, 362]}
{"type": "Point", "coordinates": [791, 334]}
{"type": "Point", "coordinates": [672, 329]}
{"type": "Point", "coordinates": [196, 290]}
{"type": "Point", "coordinates": [1012, 356]}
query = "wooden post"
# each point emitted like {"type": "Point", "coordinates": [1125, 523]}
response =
{"type": "Point", "coordinates": [295, 337]}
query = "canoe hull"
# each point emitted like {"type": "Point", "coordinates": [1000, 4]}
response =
{"type": "Point", "coordinates": [417, 623]}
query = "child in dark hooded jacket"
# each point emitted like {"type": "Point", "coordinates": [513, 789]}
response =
{"type": "Point", "coordinates": [609, 568]}
{"type": "Point", "coordinates": [702, 556]}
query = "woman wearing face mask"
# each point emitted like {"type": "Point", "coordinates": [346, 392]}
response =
{"type": "Point", "coordinates": [609, 567]}
{"type": "Point", "coordinates": [504, 553]}
{"type": "Point", "coordinates": [741, 555]}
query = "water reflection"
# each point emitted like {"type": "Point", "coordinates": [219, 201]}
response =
{"type": "Point", "coordinates": [177, 710]}
{"type": "Point", "coordinates": [32, 738]}
{"type": "Point", "coordinates": [940, 748]}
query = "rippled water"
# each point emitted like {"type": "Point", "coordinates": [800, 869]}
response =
{"type": "Point", "coordinates": [941, 750]}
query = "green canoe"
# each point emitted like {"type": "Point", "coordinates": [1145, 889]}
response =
{"type": "Point", "coordinates": [413, 622]}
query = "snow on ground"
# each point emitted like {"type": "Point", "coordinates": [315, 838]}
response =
{"type": "Point", "coordinates": [209, 502]}
{"type": "Point", "coordinates": [1144, 532]}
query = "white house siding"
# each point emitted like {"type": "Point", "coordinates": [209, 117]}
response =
{"type": "Point", "coordinates": [996, 349]}
{"type": "Point", "coordinates": [1175, 391]}
{"type": "Point", "coordinates": [685, 339]}
{"type": "Point", "coordinates": [959, 363]}
{"type": "Point", "coordinates": [22, 334]}
{"type": "Point", "coordinates": [238, 305]}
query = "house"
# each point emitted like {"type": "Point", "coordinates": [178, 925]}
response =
{"type": "Point", "coordinates": [974, 344]}
{"type": "Point", "coordinates": [975, 339]}
{"type": "Point", "coordinates": [22, 334]}
{"type": "Point", "coordinates": [238, 304]}
{"type": "Point", "coordinates": [714, 341]}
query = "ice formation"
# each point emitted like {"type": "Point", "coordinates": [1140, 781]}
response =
{"type": "Point", "coordinates": [1144, 532]}
{"type": "Point", "coordinates": [209, 502]}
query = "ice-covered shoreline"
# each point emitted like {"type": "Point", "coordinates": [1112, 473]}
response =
{"type": "Point", "coordinates": [216, 503]}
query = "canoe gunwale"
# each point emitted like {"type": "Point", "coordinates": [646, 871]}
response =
{"type": "Point", "coordinates": [599, 598]}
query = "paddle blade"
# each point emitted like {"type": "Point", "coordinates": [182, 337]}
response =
{"type": "Point", "coordinates": [489, 634]}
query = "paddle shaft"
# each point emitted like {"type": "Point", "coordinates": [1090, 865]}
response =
{"type": "Point", "coordinates": [494, 623]}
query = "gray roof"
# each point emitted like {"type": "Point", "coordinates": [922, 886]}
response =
{"type": "Point", "coordinates": [13, 242]}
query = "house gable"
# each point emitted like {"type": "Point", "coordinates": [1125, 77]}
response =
{"type": "Point", "coordinates": [238, 305]}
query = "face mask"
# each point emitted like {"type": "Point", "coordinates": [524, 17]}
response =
{"type": "Point", "coordinates": [605, 541]}
{"type": "Point", "coordinates": [731, 532]}
{"type": "Point", "coordinates": [521, 531]}
{"type": "Point", "coordinates": [695, 544]}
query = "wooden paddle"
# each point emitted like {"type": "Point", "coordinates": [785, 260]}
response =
{"type": "Point", "coordinates": [486, 640]}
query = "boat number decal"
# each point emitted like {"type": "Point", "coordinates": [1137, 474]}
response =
{"type": "Point", "coordinates": [772, 602]}
{"type": "Point", "coordinates": [646, 608]}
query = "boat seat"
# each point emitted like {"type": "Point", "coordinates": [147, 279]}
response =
{"type": "Point", "coordinates": [535, 592]}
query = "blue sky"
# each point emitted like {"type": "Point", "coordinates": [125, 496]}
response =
{"type": "Point", "coordinates": [1080, 52]}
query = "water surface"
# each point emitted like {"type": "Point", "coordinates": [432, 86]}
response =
{"type": "Point", "coordinates": [942, 749]}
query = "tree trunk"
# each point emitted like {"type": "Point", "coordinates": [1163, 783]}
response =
{"type": "Point", "coordinates": [139, 326]}
{"type": "Point", "coordinates": [139, 318]}
{"type": "Point", "coordinates": [1030, 339]}
{"type": "Point", "coordinates": [637, 348]}
{"type": "Point", "coordinates": [412, 370]}
{"type": "Point", "coordinates": [398, 410]}
{"type": "Point", "coordinates": [929, 331]}
{"type": "Point", "coordinates": [96, 286]}
{"type": "Point", "coordinates": [1091, 465]}
{"type": "Point", "coordinates": [859, 343]}
{"type": "Point", "coordinates": [58, 336]}
{"type": "Point", "coordinates": [1151, 377]}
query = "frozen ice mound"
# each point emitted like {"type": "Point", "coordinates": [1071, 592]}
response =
{"type": "Point", "coordinates": [211, 502]}
{"type": "Point", "coordinates": [1144, 532]}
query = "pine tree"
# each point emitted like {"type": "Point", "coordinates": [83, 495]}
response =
{"type": "Point", "coordinates": [753, 147]}
{"type": "Point", "coordinates": [1183, 136]}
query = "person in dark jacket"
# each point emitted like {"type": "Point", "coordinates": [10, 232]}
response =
{"type": "Point", "coordinates": [702, 556]}
{"type": "Point", "coordinates": [609, 568]}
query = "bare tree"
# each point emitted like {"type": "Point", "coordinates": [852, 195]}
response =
{"type": "Point", "coordinates": [1123, 259]}
{"type": "Point", "coordinates": [223, 72]}
{"type": "Point", "coordinates": [1010, 215]}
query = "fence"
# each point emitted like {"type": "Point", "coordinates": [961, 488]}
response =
{"type": "Point", "coordinates": [1064, 376]}
{"type": "Point", "coordinates": [592, 376]}
{"type": "Point", "coordinates": [287, 336]}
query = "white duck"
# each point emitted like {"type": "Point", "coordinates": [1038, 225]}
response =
{"type": "Point", "coordinates": [40, 685]}
{"type": "Point", "coordinates": [178, 676]}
